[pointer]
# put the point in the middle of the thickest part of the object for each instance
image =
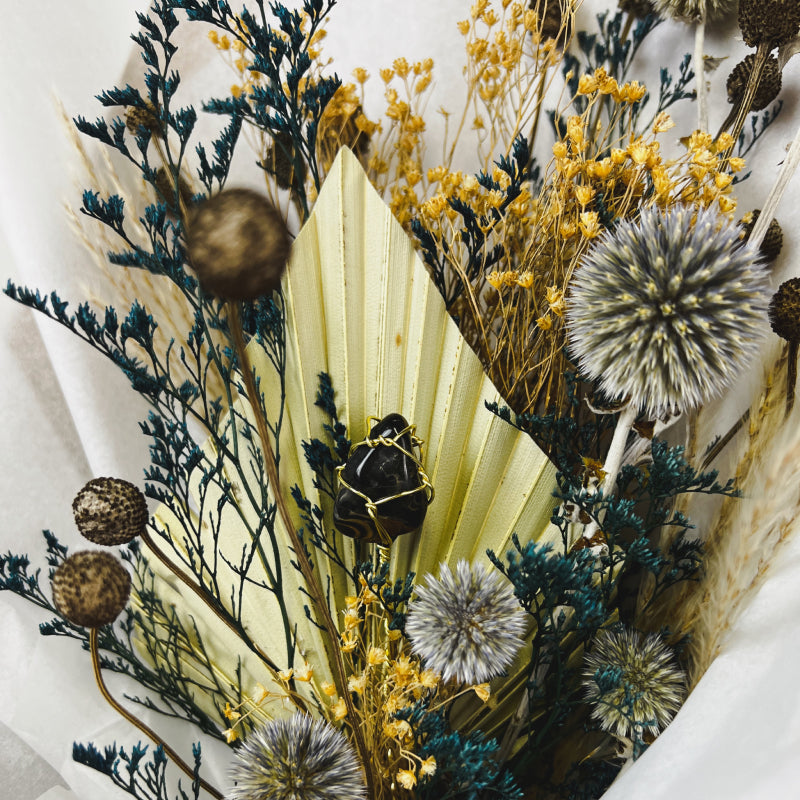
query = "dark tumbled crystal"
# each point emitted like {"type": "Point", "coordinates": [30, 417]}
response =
{"type": "Point", "coordinates": [380, 470]}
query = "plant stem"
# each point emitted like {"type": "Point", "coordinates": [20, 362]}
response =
{"type": "Point", "coordinates": [223, 617]}
{"type": "Point", "coordinates": [303, 562]}
{"type": "Point", "coordinates": [151, 734]}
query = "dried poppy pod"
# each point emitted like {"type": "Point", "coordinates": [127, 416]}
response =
{"type": "Point", "coordinates": [91, 588]}
{"type": "Point", "coordinates": [110, 511]}
{"type": "Point", "coordinates": [784, 317]}
{"type": "Point", "coordinates": [769, 84]}
{"type": "Point", "coordinates": [384, 491]}
{"type": "Point", "coordinates": [238, 244]}
{"type": "Point", "coordinates": [770, 22]}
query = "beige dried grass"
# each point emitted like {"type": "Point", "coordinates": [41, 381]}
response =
{"type": "Point", "coordinates": [747, 532]}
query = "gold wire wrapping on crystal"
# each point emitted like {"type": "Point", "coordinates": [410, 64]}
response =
{"type": "Point", "coordinates": [372, 505]}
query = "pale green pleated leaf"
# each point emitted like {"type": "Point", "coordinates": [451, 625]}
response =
{"type": "Point", "coordinates": [361, 307]}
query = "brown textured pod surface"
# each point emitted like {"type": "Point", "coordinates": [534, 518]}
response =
{"type": "Point", "coordinates": [238, 244]}
{"type": "Point", "coordinates": [91, 588]}
{"type": "Point", "coordinates": [110, 511]}
{"type": "Point", "coordinates": [772, 22]}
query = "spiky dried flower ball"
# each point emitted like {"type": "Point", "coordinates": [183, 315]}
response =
{"type": "Point", "coordinates": [91, 588]}
{"type": "Point", "coordinates": [296, 759]}
{"type": "Point", "coordinates": [632, 681]}
{"type": "Point", "coordinates": [692, 10]}
{"type": "Point", "coordinates": [770, 248]}
{"type": "Point", "coordinates": [238, 244]}
{"type": "Point", "coordinates": [466, 625]}
{"type": "Point", "coordinates": [772, 22]}
{"type": "Point", "coordinates": [110, 511]}
{"type": "Point", "coordinates": [143, 117]}
{"type": "Point", "coordinates": [769, 85]}
{"type": "Point", "coordinates": [784, 310]}
{"type": "Point", "coordinates": [667, 310]}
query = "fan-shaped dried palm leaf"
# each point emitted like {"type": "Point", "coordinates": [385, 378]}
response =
{"type": "Point", "coordinates": [361, 308]}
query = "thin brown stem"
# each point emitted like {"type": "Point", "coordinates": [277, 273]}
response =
{"type": "Point", "coordinates": [148, 732]}
{"type": "Point", "coordinates": [220, 615]}
{"type": "Point", "coordinates": [303, 561]}
{"type": "Point", "coordinates": [743, 108]}
{"type": "Point", "coordinates": [791, 375]}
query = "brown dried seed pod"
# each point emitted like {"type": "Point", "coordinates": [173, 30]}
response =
{"type": "Point", "coordinates": [772, 22]}
{"type": "Point", "coordinates": [769, 86]}
{"type": "Point", "coordinates": [554, 23]}
{"type": "Point", "coordinates": [110, 511]}
{"type": "Point", "coordinates": [91, 588]}
{"type": "Point", "coordinates": [238, 244]}
{"type": "Point", "coordinates": [146, 117]}
{"type": "Point", "coordinates": [280, 162]}
{"type": "Point", "coordinates": [784, 310]}
{"type": "Point", "coordinates": [773, 240]}
{"type": "Point", "coordinates": [637, 8]}
{"type": "Point", "coordinates": [165, 184]}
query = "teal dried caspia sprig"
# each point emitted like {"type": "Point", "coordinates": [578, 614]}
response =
{"type": "Point", "coordinates": [281, 56]}
{"type": "Point", "coordinates": [141, 777]}
{"type": "Point", "coordinates": [466, 762]}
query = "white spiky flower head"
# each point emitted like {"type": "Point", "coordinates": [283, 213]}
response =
{"type": "Point", "coordinates": [632, 682]}
{"type": "Point", "coordinates": [466, 625]}
{"type": "Point", "coordinates": [692, 10]}
{"type": "Point", "coordinates": [299, 758]}
{"type": "Point", "coordinates": [667, 310]}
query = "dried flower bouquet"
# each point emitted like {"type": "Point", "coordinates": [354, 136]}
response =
{"type": "Point", "coordinates": [425, 432]}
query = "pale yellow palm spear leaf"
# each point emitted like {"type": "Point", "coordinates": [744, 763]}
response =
{"type": "Point", "coordinates": [361, 307]}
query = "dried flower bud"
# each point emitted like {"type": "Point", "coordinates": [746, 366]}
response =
{"type": "Point", "coordinates": [784, 310]}
{"type": "Point", "coordinates": [770, 248]}
{"type": "Point", "coordinates": [110, 511]}
{"type": "Point", "coordinates": [281, 164]}
{"type": "Point", "coordinates": [554, 23]}
{"type": "Point", "coordinates": [142, 117]}
{"type": "Point", "coordinates": [91, 588]}
{"type": "Point", "coordinates": [165, 185]}
{"type": "Point", "coordinates": [238, 244]}
{"type": "Point", "coordinates": [637, 8]}
{"type": "Point", "coordinates": [772, 22]}
{"type": "Point", "coordinates": [769, 85]}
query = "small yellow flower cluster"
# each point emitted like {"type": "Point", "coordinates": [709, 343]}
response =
{"type": "Point", "coordinates": [395, 164]}
{"type": "Point", "coordinates": [237, 719]}
{"type": "Point", "coordinates": [383, 679]}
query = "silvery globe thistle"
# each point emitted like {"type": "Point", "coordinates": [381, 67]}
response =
{"type": "Point", "coordinates": [632, 682]}
{"type": "Point", "coordinates": [667, 310]}
{"type": "Point", "coordinates": [466, 625]}
{"type": "Point", "coordinates": [299, 758]}
{"type": "Point", "coordinates": [692, 10]}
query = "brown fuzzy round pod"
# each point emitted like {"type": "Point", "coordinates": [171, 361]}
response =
{"type": "Point", "coordinates": [238, 244]}
{"type": "Point", "coordinates": [91, 588]}
{"type": "Point", "coordinates": [784, 310]}
{"type": "Point", "coordinates": [772, 245]}
{"type": "Point", "coordinates": [110, 511]}
{"type": "Point", "coordinates": [772, 22]}
{"type": "Point", "coordinates": [769, 86]}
